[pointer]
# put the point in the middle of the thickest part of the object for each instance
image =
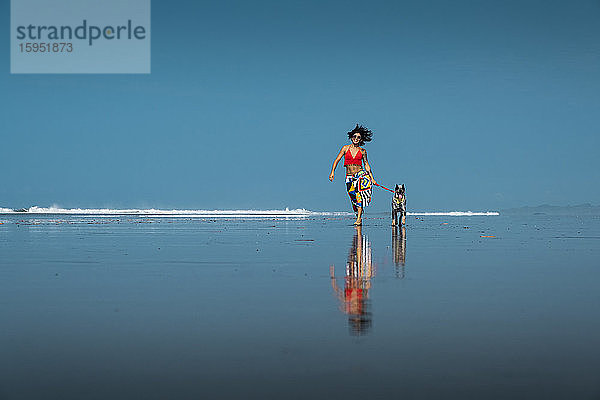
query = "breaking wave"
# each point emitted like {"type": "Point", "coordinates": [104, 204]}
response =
{"type": "Point", "coordinates": [455, 213]}
{"type": "Point", "coordinates": [298, 212]}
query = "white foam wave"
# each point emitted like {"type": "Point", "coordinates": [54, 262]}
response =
{"type": "Point", "coordinates": [298, 212]}
{"type": "Point", "coordinates": [455, 213]}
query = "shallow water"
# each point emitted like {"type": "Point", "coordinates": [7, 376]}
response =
{"type": "Point", "coordinates": [159, 307]}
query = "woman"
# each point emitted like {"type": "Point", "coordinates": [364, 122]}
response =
{"type": "Point", "coordinates": [358, 180]}
{"type": "Point", "coordinates": [354, 297]}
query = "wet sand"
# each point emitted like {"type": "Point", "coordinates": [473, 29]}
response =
{"type": "Point", "coordinates": [492, 307]}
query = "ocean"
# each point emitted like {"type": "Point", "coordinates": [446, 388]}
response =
{"type": "Point", "coordinates": [154, 304]}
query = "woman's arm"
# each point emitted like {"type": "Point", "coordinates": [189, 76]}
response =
{"type": "Point", "coordinates": [336, 161]}
{"type": "Point", "coordinates": [334, 285]}
{"type": "Point", "coordinates": [367, 166]}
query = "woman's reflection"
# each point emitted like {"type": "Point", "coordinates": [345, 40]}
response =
{"type": "Point", "coordinates": [399, 249]}
{"type": "Point", "coordinates": [354, 297]}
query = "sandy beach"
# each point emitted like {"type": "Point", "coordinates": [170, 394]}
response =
{"type": "Point", "coordinates": [160, 307]}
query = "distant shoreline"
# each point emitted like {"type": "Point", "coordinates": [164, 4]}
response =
{"type": "Point", "coordinates": [545, 209]}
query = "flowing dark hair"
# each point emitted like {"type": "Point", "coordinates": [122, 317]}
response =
{"type": "Point", "coordinates": [366, 135]}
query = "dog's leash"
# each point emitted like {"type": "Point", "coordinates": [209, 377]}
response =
{"type": "Point", "coordinates": [383, 187]}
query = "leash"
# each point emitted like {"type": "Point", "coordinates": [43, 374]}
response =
{"type": "Point", "coordinates": [383, 187]}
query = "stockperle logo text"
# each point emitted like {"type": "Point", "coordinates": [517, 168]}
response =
{"type": "Point", "coordinates": [84, 31]}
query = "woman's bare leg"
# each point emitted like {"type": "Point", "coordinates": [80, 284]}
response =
{"type": "Point", "coordinates": [359, 216]}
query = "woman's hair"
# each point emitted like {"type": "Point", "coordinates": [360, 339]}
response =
{"type": "Point", "coordinates": [365, 134]}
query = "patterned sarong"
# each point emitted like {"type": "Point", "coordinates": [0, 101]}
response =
{"type": "Point", "coordinates": [359, 188]}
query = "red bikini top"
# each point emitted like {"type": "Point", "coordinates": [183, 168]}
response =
{"type": "Point", "coordinates": [356, 160]}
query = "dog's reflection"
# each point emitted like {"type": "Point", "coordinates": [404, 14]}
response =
{"type": "Point", "coordinates": [354, 297]}
{"type": "Point", "coordinates": [399, 249]}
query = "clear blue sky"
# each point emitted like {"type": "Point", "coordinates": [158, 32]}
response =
{"type": "Point", "coordinates": [475, 105]}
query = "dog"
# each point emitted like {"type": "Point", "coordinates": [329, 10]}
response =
{"type": "Point", "coordinates": [399, 249]}
{"type": "Point", "coordinates": [399, 205]}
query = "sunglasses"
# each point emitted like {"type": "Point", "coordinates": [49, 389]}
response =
{"type": "Point", "coordinates": [355, 136]}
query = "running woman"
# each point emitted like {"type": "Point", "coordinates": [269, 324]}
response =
{"type": "Point", "coordinates": [359, 180]}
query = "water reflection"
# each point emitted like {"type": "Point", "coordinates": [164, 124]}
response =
{"type": "Point", "coordinates": [399, 249]}
{"type": "Point", "coordinates": [354, 297]}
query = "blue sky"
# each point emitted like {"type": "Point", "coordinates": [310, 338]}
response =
{"type": "Point", "coordinates": [475, 105]}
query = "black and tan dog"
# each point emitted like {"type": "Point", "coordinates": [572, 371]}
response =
{"type": "Point", "coordinates": [399, 205]}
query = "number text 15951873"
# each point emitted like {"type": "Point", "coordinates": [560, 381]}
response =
{"type": "Point", "coordinates": [29, 47]}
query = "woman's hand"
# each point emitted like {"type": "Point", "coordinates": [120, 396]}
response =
{"type": "Point", "coordinates": [331, 177]}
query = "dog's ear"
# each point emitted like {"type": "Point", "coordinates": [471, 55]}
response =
{"type": "Point", "coordinates": [397, 187]}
